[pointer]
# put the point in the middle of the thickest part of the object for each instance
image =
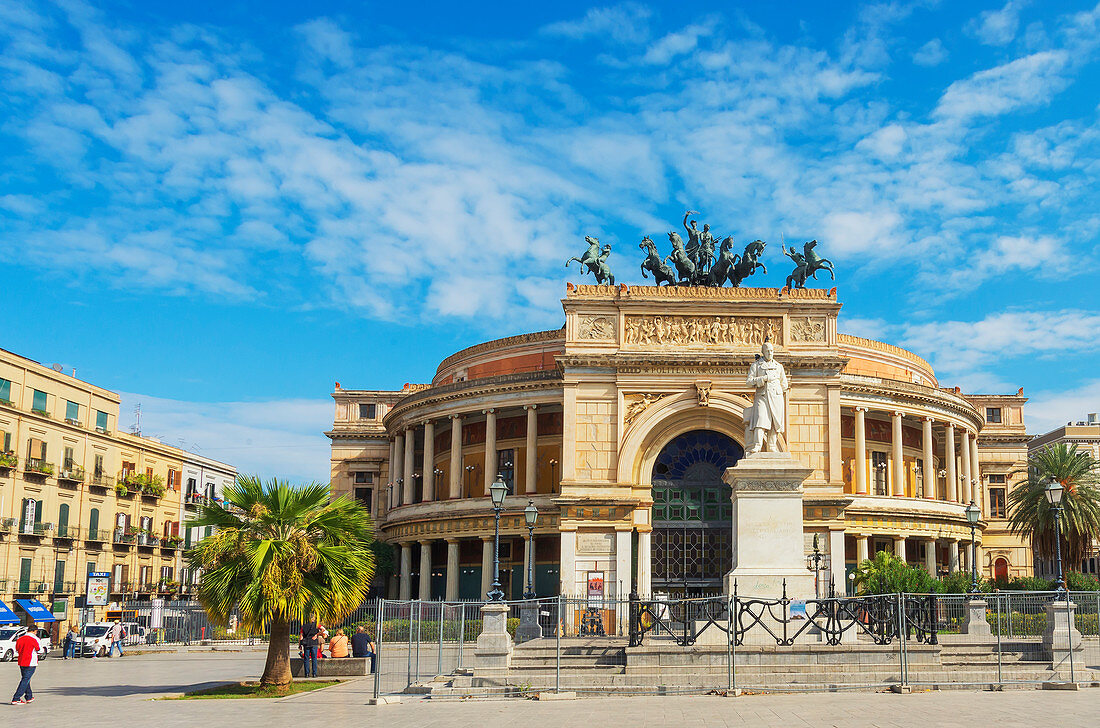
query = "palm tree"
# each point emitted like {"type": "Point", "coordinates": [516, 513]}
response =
{"type": "Point", "coordinates": [1031, 515]}
{"type": "Point", "coordinates": [280, 554]}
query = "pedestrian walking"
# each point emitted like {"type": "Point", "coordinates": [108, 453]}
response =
{"type": "Point", "coordinates": [27, 648]}
{"type": "Point", "coordinates": [308, 639]}
{"type": "Point", "coordinates": [118, 633]}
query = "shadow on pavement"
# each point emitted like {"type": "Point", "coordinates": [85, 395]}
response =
{"type": "Point", "coordinates": [113, 691]}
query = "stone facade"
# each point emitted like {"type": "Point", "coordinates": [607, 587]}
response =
{"type": "Point", "coordinates": [580, 419]}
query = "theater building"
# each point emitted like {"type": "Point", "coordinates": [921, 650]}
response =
{"type": "Point", "coordinates": [619, 426]}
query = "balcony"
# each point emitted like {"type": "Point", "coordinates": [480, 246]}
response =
{"type": "Point", "coordinates": [147, 540]}
{"type": "Point", "coordinates": [71, 476]}
{"type": "Point", "coordinates": [171, 543]}
{"type": "Point", "coordinates": [38, 468]}
{"type": "Point", "coordinates": [7, 525]}
{"type": "Point", "coordinates": [121, 587]}
{"type": "Point", "coordinates": [98, 535]}
{"type": "Point", "coordinates": [37, 530]}
{"type": "Point", "coordinates": [194, 499]}
{"type": "Point", "coordinates": [8, 461]}
{"type": "Point", "coordinates": [40, 412]}
{"type": "Point", "coordinates": [100, 483]}
{"type": "Point", "coordinates": [64, 587]}
{"type": "Point", "coordinates": [121, 537]}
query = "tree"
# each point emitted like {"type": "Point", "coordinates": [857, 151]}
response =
{"type": "Point", "coordinates": [887, 574]}
{"type": "Point", "coordinates": [280, 554]}
{"type": "Point", "coordinates": [1030, 514]}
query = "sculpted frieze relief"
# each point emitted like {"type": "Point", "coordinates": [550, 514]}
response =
{"type": "Point", "coordinates": [638, 403]}
{"type": "Point", "coordinates": [805, 328]}
{"type": "Point", "coordinates": [597, 328]}
{"type": "Point", "coordinates": [704, 331]}
{"type": "Point", "coordinates": [768, 485]}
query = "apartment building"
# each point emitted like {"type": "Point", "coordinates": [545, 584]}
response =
{"type": "Point", "coordinates": [79, 495]}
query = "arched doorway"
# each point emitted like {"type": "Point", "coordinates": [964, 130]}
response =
{"type": "Point", "coordinates": [692, 513]}
{"type": "Point", "coordinates": [1000, 570]}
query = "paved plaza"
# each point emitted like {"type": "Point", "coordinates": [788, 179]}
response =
{"type": "Point", "coordinates": [120, 691]}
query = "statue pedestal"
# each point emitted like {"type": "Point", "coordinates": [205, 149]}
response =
{"type": "Point", "coordinates": [768, 541]}
{"type": "Point", "coordinates": [529, 627]}
{"type": "Point", "coordinates": [1060, 635]}
{"type": "Point", "coordinates": [975, 625]}
{"type": "Point", "coordinates": [494, 645]}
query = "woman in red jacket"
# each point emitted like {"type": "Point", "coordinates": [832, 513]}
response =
{"type": "Point", "coordinates": [27, 647]}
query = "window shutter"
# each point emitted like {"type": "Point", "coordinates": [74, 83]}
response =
{"type": "Point", "coordinates": [37, 512]}
{"type": "Point", "coordinates": [93, 520]}
{"type": "Point", "coordinates": [62, 517]}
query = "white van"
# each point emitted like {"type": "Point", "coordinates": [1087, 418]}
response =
{"type": "Point", "coordinates": [10, 634]}
{"type": "Point", "coordinates": [97, 639]}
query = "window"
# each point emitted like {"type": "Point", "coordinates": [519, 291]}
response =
{"type": "Point", "coordinates": [6, 442]}
{"type": "Point", "coordinates": [918, 478]}
{"type": "Point", "coordinates": [38, 402]}
{"type": "Point", "coordinates": [101, 422]}
{"type": "Point", "coordinates": [506, 468]}
{"type": "Point", "coordinates": [30, 515]}
{"type": "Point", "coordinates": [98, 467]}
{"type": "Point", "coordinates": [210, 491]}
{"type": "Point", "coordinates": [363, 496]}
{"type": "Point", "coordinates": [364, 478]}
{"type": "Point", "coordinates": [24, 575]}
{"type": "Point", "coordinates": [166, 573]}
{"type": "Point", "coordinates": [997, 503]}
{"type": "Point", "coordinates": [36, 449]}
{"type": "Point", "coordinates": [5, 391]}
{"type": "Point", "coordinates": [997, 479]}
{"type": "Point", "coordinates": [69, 459]}
{"type": "Point", "coordinates": [72, 413]}
{"type": "Point", "coordinates": [93, 525]}
{"type": "Point", "coordinates": [878, 471]}
{"type": "Point", "coordinates": [173, 478]}
{"type": "Point", "coordinates": [993, 414]}
{"type": "Point", "coordinates": [368, 411]}
{"type": "Point", "coordinates": [59, 577]}
{"type": "Point", "coordinates": [62, 519]}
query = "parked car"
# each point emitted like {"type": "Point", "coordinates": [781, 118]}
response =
{"type": "Point", "coordinates": [135, 634]}
{"type": "Point", "coordinates": [10, 634]}
{"type": "Point", "coordinates": [97, 639]}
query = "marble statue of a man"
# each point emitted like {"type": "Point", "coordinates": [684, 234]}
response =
{"type": "Point", "coordinates": [766, 420]}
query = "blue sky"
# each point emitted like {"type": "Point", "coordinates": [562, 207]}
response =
{"type": "Point", "coordinates": [220, 209]}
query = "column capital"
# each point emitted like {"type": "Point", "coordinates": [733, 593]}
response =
{"type": "Point", "coordinates": [897, 413]}
{"type": "Point", "coordinates": [950, 426]}
{"type": "Point", "coordinates": [530, 406]}
{"type": "Point", "coordinates": [487, 539]}
{"type": "Point", "coordinates": [456, 417]}
{"type": "Point", "coordinates": [452, 540]}
{"type": "Point", "coordinates": [927, 418]}
{"type": "Point", "coordinates": [860, 408]}
{"type": "Point", "coordinates": [490, 411]}
{"type": "Point", "coordinates": [427, 542]}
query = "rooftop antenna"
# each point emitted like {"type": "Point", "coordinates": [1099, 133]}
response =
{"type": "Point", "coordinates": [135, 429]}
{"type": "Point", "coordinates": [57, 368]}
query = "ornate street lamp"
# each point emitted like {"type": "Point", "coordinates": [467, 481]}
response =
{"type": "Point", "coordinates": [973, 515]}
{"type": "Point", "coordinates": [530, 515]}
{"type": "Point", "coordinates": [497, 491]}
{"type": "Point", "coordinates": [816, 562]}
{"type": "Point", "coordinates": [469, 473]}
{"type": "Point", "coordinates": [1054, 498]}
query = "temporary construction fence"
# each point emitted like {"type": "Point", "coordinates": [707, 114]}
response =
{"type": "Point", "coordinates": [665, 645]}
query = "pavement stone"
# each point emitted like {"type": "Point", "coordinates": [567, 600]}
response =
{"type": "Point", "coordinates": [120, 691]}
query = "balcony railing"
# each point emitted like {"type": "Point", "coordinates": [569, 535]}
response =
{"type": "Point", "coordinates": [64, 530]}
{"type": "Point", "coordinates": [194, 499]}
{"type": "Point", "coordinates": [172, 542]}
{"type": "Point", "coordinates": [121, 587]}
{"type": "Point", "coordinates": [35, 529]}
{"type": "Point", "coordinates": [70, 475]}
{"type": "Point", "coordinates": [64, 587]}
{"type": "Point", "coordinates": [145, 539]}
{"type": "Point", "coordinates": [99, 534]}
{"type": "Point", "coordinates": [122, 536]}
{"type": "Point", "coordinates": [37, 466]}
{"type": "Point", "coordinates": [99, 480]}
{"type": "Point", "coordinates": [7, 525]}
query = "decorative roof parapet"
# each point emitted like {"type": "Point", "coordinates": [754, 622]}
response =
{"type": "Point", "coordinates": [519, 339]}
{"type": "Point", "coordinates": [849, 340]}
{"type": "Point", "coordinates": [573, 291]}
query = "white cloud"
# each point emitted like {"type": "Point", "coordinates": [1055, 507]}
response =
{"type": "Point", "coordinates": [1025, 82]}
{"type": "Point", "coordinates": [997, 27]}
{"type": "Point", "coordinates": [932, 53]}
{"type": "Point", "coordinates": [626, 23]}
{"type": "Point", "coordinates": [859, 231]}
{"type": "Point", "coordinates": [675, 44]}
{"type": "Point", "coordinates": [269, 438]}
{"type": "Point", "coordinates": [1053, 407]}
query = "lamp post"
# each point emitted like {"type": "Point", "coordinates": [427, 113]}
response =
{"type": "Point", "coordinates": [497, 491]}
{"type": "Point", "coordinates": [815, 562]}
{"type": "Point", "coordinates": [438, 473]}
{"type": "Point", "coordinates": [530, 515]}
{"type": "Point", "coordinates": [469, 471]}
{"type": "Point", "coordinates": [1054, 491]}
{"type": "Point", "coordinates": [973, 515]}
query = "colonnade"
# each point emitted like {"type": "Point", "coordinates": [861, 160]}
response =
{"type": "Point", "coordinates": [958, 457]}
{"type": "Point", "coordinates": [403, 464]}
{"type": "Point", "coordinates": [958, 550]}
{"type": "Point", "coordinates": [423, 586]}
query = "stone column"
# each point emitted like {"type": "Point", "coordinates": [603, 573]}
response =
{"type": "Point", "coordinates": [486, 566]}
{"type": "Point", "coordinates": [399, 466]}
{"type": "Point", "coordinates": [456, 457]}
{"type": "Point", "coordinates": [862, 548]}
{"type": "Point", "coordinates": [392, 462]}
{"type": "Point", "coordinates": [531, 464]}
{"type": "Point", "coordinates": [490, 448]}
{"type": "Point", "coordinates": [964, 453]}
{"type": "Point", "coordinates": [899, 547]}
{"type": "Point", "coordinates": [930, 556]}
{"type": "Point", "coordinates": [568, 563]}
{"type": "Point", "coordinates": [898, 465]}
{"type": "Point", "coordinates": [952, 485]}
{"type": "Point", "coordinates": [645, 563]}
{"type": "Point", "coordinates": [452, 570]}
{"type": "Point", "coordinates": [928, 466]}
{"type": "Point", "coordinates": [975, 473]}
{"type": "Point", "coordinates": [622, 564]}
{"type": "Point", "coordinates": [410, 467]}
{"type": "Point", "coordinates": [952, 555]}
{"type": "Point", "coordinates": [425, 591]}
{"type": "Point", "coordinates": [405, 591]}
{"type": "Point", "coordinates": [429, 461]}
{"type": "Point", "coordinates": [861, 451]}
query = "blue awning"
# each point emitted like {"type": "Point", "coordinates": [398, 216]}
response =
{"type": "Point", "coordinates": [7, 616]}
{"type": "Point", "coordinates": [36, 610]}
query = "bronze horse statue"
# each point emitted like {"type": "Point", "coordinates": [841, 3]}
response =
{"type": "Point", "coordinates": [661, 271]}
{"type": "Point", "coordinates": [807, 264]}
{"type": "Point", "coordinates": [747, 263]}
{"type": "Point", "coordinates": [596, 261]}
{"type": "Point", "coordinates": [685, 267]}
{"type": "Point", "coordinates": [720, 271]}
